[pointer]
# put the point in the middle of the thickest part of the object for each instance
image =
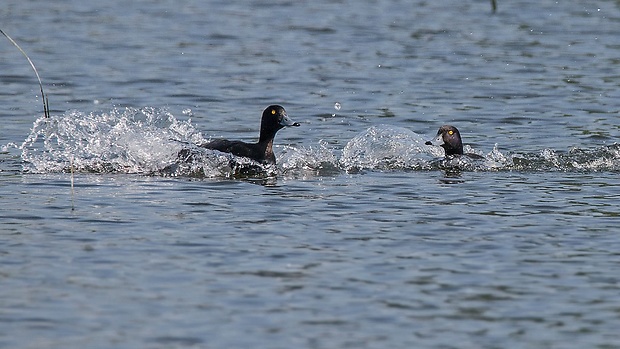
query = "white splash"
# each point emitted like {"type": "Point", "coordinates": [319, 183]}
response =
{"type": "Point", "coordinates": [388, 147]}
{"type": "Point", "coordinates": [308, 161]}
{"type": "Point", "coordinates": [128, 141]}
{"type": "Point", "coordinates": [152, 141]}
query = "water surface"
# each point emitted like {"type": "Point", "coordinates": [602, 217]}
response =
{"type": "Point", "coordinates": [362, 237]}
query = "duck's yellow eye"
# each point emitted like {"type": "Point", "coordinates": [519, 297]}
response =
{"type": "Point", "coordinates": [450, 132]}
{"type": "Point", "coordinates": [273, 112]}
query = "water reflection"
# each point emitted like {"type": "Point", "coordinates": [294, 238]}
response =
{"type": "Point", "coordinates": [452, 176]}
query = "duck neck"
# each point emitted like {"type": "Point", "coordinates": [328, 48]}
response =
{"type": "Point", "coordinates": [267, 133]}
{"type": "Point", "coordinates": [265, 141]}
{"type": "Point", "coordinates": [453, 150]}
{"type": "Point", "coordinates": [266, 147]}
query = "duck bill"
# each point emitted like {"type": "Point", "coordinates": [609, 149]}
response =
{"type": "Point", "coordinates": [286, 121]}
{"type": "Point", "coordinates": [437, 141]}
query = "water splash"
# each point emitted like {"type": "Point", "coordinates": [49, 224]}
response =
{"type": "Point", "coordinates": [152, 141]}
{"type": "Point", "coordinates": [393, 148]}
{"type": "Point", "coordinates": [602, 158]}
{"type": "Point", "coordinates": [309, 161]}
{"type": "Point", "coordinates": [386, 147]}
{"type": "Point", "coordinates": [144, 141]}
{"type": "Point", "coordinates": [337, 106]}
{"type": "Point", "coordinates": [130, 141]}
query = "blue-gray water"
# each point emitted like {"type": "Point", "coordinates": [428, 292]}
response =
{"type": "Point", "coordinates": [363, 238]}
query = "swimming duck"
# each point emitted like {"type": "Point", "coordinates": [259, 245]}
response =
{"type": "Point", "coordinates": [449, 138]}
{"type": "Point", "coordinates": [274, 118]}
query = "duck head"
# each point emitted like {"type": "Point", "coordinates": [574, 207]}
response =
{"type": "Point", "coordinates": [449, 138]}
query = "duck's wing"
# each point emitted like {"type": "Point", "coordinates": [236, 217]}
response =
{"type": "Point", "coordinates": [474, 156]}
{"type": "Point", "coordinates": [223, 145]}
{"type": "Point", "coordinates": [237, 148]}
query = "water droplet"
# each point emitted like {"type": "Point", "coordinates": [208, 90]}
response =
{"type": "Point", "coordinates": [337, 106]}
{"type": "Point", "coordinates": [187, 112]}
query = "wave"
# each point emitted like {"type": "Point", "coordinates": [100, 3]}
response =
{"type": "Point", "coordinates": [152, 141]}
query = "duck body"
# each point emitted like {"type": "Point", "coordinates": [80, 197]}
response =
{"type": "Point", "coordinates": [261, 152]}
{"type": "Point", "coordinates": [274, 118]}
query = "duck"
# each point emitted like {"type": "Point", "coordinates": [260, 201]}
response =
{"type": "Point", "coordinates": [273, 119]}
{"type": "Point", "coordinates": [449, 138]}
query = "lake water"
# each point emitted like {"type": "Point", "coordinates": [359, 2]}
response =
{"type": "Point", "coordinates": [361, 236]}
